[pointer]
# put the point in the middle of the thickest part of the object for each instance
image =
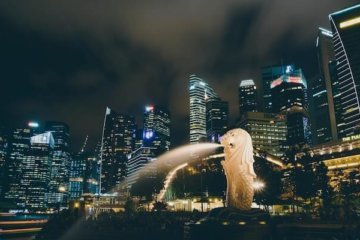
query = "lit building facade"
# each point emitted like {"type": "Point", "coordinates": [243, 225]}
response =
{"type": "Point", "coordinates": [341, 158]}
{"type": "Point", "coordinates": [84, 175]}
{"type": "Point", "coordinates": [199, 92]}
{"type": "Point", "coordinates": [345, 26]}
{"type": "Point", "coordinates": [59, 171]}
{"type": "Point", "coordinates": [77, 176]}
{"type": "Point", "coordinates": [137, 160]}
{"type": "Point", "coordinates": [36, 171]}
{"type": "Point", "coordinates": [156, 132]}
{"type": "Point", "coordinates": [19, 149]}
{"type": "Point", "coordinates": [217, 119]}
{"type": "Point", "coordinates": [117, 142]}
{"type": "Point", "coordinates": [268, 75]}
{"type": "Point", "coordinates": [267, 130]}
{"type": "Point", "coordinates": [336, 93]}
{"type": "Point", "coordinates": [4, 144]}
{"type": "Point", "coordinates": [247, 97]}
{"type": "Point", "coordinates": [289, 97]}
{"type": "Point", "coordinates": [321, 98]}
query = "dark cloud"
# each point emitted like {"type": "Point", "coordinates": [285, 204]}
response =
{"type": "Point", "coordinates": [67, 61]}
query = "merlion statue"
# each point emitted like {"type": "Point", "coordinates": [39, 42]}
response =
{"type": "Point", "coordinates": [238, 166]}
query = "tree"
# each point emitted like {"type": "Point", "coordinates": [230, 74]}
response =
{"type": "Point", "coordinates": [272, 178]}
{"type": "Point", "coordinates": [147, 185]}
{"type": "Point", "coordinates": [160, 206]}
{"type": "Point", "coordinates": [302, 178]}
{"type": "Point", "coordinates": [322, 185]}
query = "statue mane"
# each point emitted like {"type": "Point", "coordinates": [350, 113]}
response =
{"type": "Point", "coordinates": [238, 167]}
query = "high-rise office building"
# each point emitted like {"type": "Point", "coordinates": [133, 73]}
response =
{"type": "Point", "coordinates": [199, 92]}
{"type": "Point", "coordinates": [59, 172]}
{"type": "Point", "coordinates": [3, 146]}
{"type": "Point", "coordinates": [156, 132]}
{"type": "Point", "coordinates": [217, 119]}
{"type": "Point", "coordinates": [84, 174]}
{"type": "Point", "coordinates": [336, 93]}
{"type": "Point", "coordinates": [4, 141]}
{"type": "Point", "coordinates": [92, 173]}
{"type": "Point", "coordinates": [117, 142]}
{"type": "Point", "coordinates": [345, 26]}
{"type": "Point", "coordinates": [36, 171]}
{"type": "Point", "coordinates": [19, 149]}
{"type": "Point", "coordinates": [289, 97]}
{"type": "Point", "coordinates": [247, 97]}
{"type": "Point", "coordinates": [268, 75]}
{"type": "Point", "coordinates": [321, 93]}
{"type": "Point", "coordinates": [77, 175]}
{"type": "Point", "coordinates": [267, 130]}
{"type": "Point", "coordinates": [137, 160]}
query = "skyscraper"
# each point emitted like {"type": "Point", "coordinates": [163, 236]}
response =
{"type": "Point", "coordinates": [84, 173]}
{"type": "Point", "coordinates": [77, 176]}
{"type": "Point", "coordinates": [36, 171]}
{"type": "Point", "coordinates": [59, 171]}
{"type": "Point", "coordinates": [268, 131]}
{"type": "Point", "coordinates": [321, 96]}
{"type": "Point", "coordinates": [345, 25]}
{"type": "Point", "coordinates": [199, 92]}
{"type": "Point", "coordinates": [117, 142]}
{"type": "Point", "coordinates": [289, 97]}
{"type": "Point", "coordinates": [19, 149]}
{"type": "Point", "coordinates": [217, 119]}
{"type": "Point", "coordinates": [336, 93]}
{"type": "Point", "coordinates": [4, 143]}
{"type": "Point", "coordinates": [247, 97]}
{"type": "Point", "coordinates": [137, 160]}
{"type": "Point", "coordinates": [269, 74]}
{"type": "Point", "coordinates": [156, 132]}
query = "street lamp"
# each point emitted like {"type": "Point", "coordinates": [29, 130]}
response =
{"type": "Point", "coordinates": [60, 198]}
{"type": "Point", "coordinates": [258, 185]}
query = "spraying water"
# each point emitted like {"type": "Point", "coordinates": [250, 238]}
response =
{"type": "Point", "coordinates": [175, 158]}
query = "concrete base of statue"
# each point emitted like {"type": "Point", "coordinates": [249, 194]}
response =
{"type": "Point", "coordinates": [231, 223]}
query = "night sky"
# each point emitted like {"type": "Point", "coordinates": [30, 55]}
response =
{"type": "Point", "coordinates": [68, 61]}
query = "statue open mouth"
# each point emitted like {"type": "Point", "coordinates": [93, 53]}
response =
{"type": "Point", "coordinates": [238, 167]}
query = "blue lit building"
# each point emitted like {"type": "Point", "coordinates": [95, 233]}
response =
{"type": "Point", "coordinates": [156, 132]}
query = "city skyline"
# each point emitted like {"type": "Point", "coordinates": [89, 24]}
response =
{"type": "Point", "coordinates": [66, 67]}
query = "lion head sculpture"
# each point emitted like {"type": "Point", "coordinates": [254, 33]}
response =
{"type": "Point", "coordinates": [238, 167]}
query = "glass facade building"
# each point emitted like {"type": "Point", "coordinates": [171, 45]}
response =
{"type": "Point", "coordinates": [19, 149]}
{"type": "Point", "coordinates": [118, 139]}
{"type": "Point", "coordinates": [59, 171]}
{"type": "Point", "coordinates": [247, 97]}
{"type": "Point", "coordinates": [321, 94]}
{"type": "Point", "coordinates": [289, 97]}
{"type": "Point", "coordinates": [156, 132]}
{"type": "Point", "coordinates": [345, 26]}
{"type": "Point", "coordinates": [137, 160]}
{"type": "Point", "coordinates": [268, 75]}
{"type": "Point", "coordinates": [217, 119]}
{"type": "Point", "coordinates": [268, 131]}
{"type": "Point", "coordinates": [199, 93]}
